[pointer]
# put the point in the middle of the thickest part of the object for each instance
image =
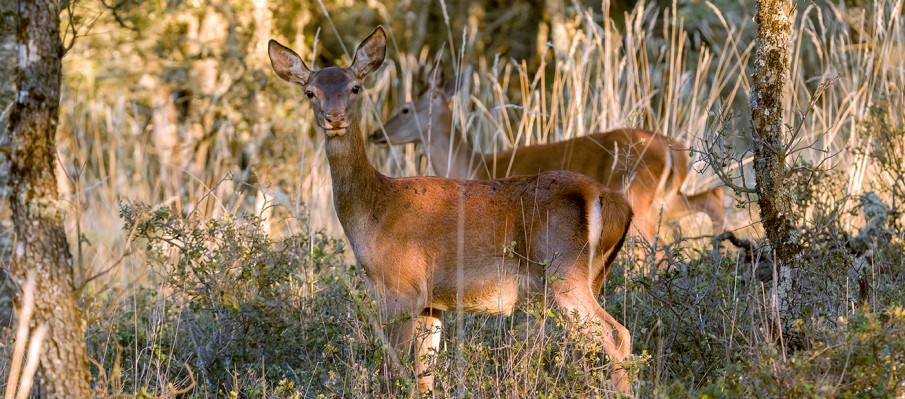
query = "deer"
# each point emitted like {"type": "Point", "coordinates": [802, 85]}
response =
{"type": "Point", "coordinates": [426, 245]}
{"type": "Point", "coordinates": [648, 167]}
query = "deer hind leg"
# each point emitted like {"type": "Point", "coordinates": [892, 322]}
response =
{"type": "Point", "coordinates": [576, 297]}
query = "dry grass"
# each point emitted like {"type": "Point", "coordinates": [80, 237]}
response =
{"type": "Point", "coordinates": [176, 114]}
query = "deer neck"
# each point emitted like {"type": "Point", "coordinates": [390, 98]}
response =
{"type": "Point", "coordinates": [449, 155]}
{"type": "Point", "coordinates": [356, 183]}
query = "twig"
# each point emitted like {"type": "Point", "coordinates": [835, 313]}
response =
{"type": "Point", "coordinates": [817, 94]}
{"type": "Point", "coordinates": [171, 390]}
{"type": "Point", "coordinates": [28, 305]}
{"type": "Point", "coordinates": [70, 13]}
{"type": "Point", "coordinates": [186, 389]}
{"type": "Point", "coordinates": [717, 161]}
{"type": "Point", "coordinates": [116, 263]}
{"type": "Point", "coordinates": [31, 364]}
{"type": "Point", "coordinates": [738, 242]}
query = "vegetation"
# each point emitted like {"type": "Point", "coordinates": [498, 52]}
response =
{"type": "Point", "coordinates": [41, 253]}
{"type": "Point", "coordinates": [208, 261]}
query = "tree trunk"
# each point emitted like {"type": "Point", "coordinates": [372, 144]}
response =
{"type": "Point", "coordinates": [771, 71]}
{"type": "Point", "coordinates": [41, 244]}
{"type": "Point", "coordinates": [7, 91]}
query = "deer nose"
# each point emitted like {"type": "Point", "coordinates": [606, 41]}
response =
{"type": "Point", "coordinates": [377, 137]}
{"type": "Point", "coordinates": [334, 117]}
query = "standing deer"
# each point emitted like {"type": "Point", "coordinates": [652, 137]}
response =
{"type": "Point", "coordinates": [409, 234]}
{"type": "Point", "coordinates": [639, 162]}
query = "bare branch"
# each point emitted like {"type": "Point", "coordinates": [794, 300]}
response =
{"type": "Point", "coordinates": [821, 88]}
{"type": "Point", "coordinates": [716, 155]}
{"type": "Point", "coordinates": [70, 12]}
{"type": "Point", "coordinates": [738, 242]}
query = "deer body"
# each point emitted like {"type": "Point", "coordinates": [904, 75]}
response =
{"type": "Point", "coordinates": [413, 254]}
{"type": "Point", "coordinates": [641, 163]}
{"type": "Point", "coordinates": [428, 244]}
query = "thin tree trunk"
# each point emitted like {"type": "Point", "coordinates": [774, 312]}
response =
{"type": "Point", "coordinates": [771, 71]}
{"type": "Point", "coordinates": [41, 244]}
{"type": "Point", "coordinates": [7, 90]}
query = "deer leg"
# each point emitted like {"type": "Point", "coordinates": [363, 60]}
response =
{"type": "Point", "coordinates": [644, 227]}
{"type": "Point", "coordinates": [410, 326]}
{"type": "Point", "coordinates": [645, 219]}
{"type": "Point", "coordinates": [709, 202]}
{"type": "Point", "coordinates": [425, 333]}
{"type": "Point", "coordinates": [642, 205]}
{"type": "Point", "coordinates": [575, 296]}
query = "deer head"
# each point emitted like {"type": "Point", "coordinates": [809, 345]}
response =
{"type": "Point", "coordinates": [429, 108]}
{"type": "Point", "coordinates": [332, 91]}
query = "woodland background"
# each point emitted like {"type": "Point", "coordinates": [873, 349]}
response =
{"type": "Point", "coordinates": [207, 254]}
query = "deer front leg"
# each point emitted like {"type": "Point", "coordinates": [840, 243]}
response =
{"type": "Point", "coordinates": [421, 333]}
{"type": "Point", "coordinates": [411, 326]}
{"type": "Point", "coordinates": [709, 202]}
{"type": "Point", "coordinates": [425, 336]}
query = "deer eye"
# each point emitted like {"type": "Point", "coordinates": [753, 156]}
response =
{"type": "Point", "coordinates": [405, 110]}
{"type": "Point", "coordinates": [355, 89]}
{"type": "Point", "coordinates": [310, 94]}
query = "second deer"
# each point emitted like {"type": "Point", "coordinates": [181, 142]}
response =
{"type": "Point", "coordinates": [428, 244]}
{"type": "Point", "coordinates": [642, 163]}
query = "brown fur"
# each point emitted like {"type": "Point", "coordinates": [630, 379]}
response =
{"type": "Point", "coordinates": [633, 160]}
{"type": "Point", "coordinates": [428, 244]}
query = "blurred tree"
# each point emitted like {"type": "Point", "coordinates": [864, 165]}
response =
{"type": "Point", "coordinates": [774, 195]}
{"type": "Point", "coordinates": [41, 244]}
{"type": "Point", "coordinates": [7, 68]}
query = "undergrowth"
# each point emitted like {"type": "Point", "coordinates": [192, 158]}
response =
{"type": "Point", "coordinates": [256, 317]}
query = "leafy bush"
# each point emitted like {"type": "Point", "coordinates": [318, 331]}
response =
{"type": "Point", "coordinates": [862, 356]}
{"type": "Point", "coordinates": [237, 307]}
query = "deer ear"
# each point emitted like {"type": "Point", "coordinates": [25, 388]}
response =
{"type": "Point", "coordinates": [434, 77]}
{"type": "Point", "coordinates": [287, 64]}
{"type": "Point", "coordinates": [450, 88]}
{"type": "Point", "coordinates": [461, 80]}
{"type": "Point", "coordinates": [428, 77]}
{"type": "Point", "coordinates": [370, 53]}
{"type": "Point", "coordinates": [419, 79]}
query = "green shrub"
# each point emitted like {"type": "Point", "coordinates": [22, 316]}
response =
{"type": "Point", "coordinates": [239, 308]}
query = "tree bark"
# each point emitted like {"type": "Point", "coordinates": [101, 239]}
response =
{"type": "Point", "coordinates": [41, 244]}
{"type": "Point", "coordinates": [771, 71]}
{"type": "Point", "coordinates": [7, 68]}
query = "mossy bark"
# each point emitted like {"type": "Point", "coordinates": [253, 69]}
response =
{"type": "Point", "coordinates": [41, 246]}
{"type": "Point", "coordinates": [771, 71]}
